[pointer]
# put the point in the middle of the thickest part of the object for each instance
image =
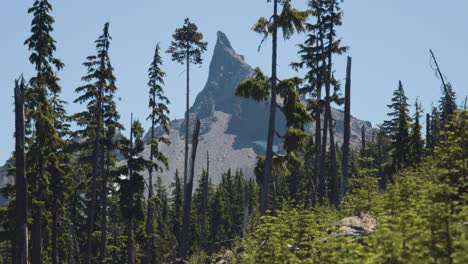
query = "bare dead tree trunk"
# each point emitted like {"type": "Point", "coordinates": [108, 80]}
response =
{"type": "Point", "coordinates": [21, 247]}
{"type": "Point", "coordinates": [347, 130]}
{"type": "Point", "coordinates": [439, 72]}
{"type": "Point", "coordinates": [271, 122]}
{"type": "Point", "coordinates": [183, 250]}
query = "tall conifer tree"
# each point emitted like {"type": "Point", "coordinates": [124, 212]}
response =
{"type": "Point", "coordinates": [187, 48]}
{"type": "Point", "coordinates": [99, 126]}
{"type": "Point", "coordinates": [398, 128]}
{"type": "Point", "coordinates": [45, 141]}
{"type": "Point", "coordinates": [159, 116]}
{"type": "Point", "coordinates": [416, 142]}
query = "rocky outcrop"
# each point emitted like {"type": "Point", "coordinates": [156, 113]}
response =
{"type": "Point", "coordinates": [359, 225]}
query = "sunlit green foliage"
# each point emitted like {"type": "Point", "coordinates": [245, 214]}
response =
{"type": "Point", "coordinates": [421, 217]}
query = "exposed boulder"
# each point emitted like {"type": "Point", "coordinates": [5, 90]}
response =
{"type": "Point", "coordinates": [360, 225]}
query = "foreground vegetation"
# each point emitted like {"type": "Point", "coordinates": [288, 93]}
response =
{"type": "Point", "coordinates": [422, 217]}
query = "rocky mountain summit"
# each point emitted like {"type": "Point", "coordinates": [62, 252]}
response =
{"type": "Point", "coordinates": [233, 129]}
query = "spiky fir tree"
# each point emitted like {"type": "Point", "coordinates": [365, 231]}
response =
{"type": "Point", "coordinates": [447, 105]}
{"type": "Point", "coordinates": [159, 116]}
{"type": "Point", "coordinates": [99, 125]}
{"type": "Point", "coordinates": [415, 138]}
{"type": "Point", "coordinates": [398, 128]}
{"type": "Point", "coordinates": [42, 159]}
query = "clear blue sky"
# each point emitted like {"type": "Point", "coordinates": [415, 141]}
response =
{"type": "Point", "coordinates": [389, 41]}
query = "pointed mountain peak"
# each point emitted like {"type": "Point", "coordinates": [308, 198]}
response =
{"type": "Point", "coordinates": [227, 69]}
{"type": "Point", "coordinates": [223, 40]}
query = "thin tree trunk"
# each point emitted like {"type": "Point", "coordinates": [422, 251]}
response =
{"type": "Point", "coordinates": [246, 211]}
{"type": "Point", "coordinates": [328, 116]}
{"type": "Point", "coordinates": [105, 148]}
{"type": "Point", "coordinates": [183, 252]}
{"type": "Point", "coordinates": [150, 257]}
{"type": "Point", "coordinates": [36, 229]}
{"type": "Point", "coordinates": [130, 246]}
{"type": "Point", "coordinates": [114, 238]}
{"type": "Point", "coordinates": [326, 72]}
{"type": "Point", "coordinates": [104, 192]}
{"type": "Point", "coordinates": [21, 248]}
{"type": "Point", "coordinates": [318, 137]}
{"type": "Point", "coordinates": [382, 177]}
{"type": "Point", "coordinates": [308, 161]}
{"type": "Point", "coordinates": [323, 156]}
{"type": "Point", "coordinates": [54, 221]}
{"type": "Point", "coordinates": [70, 245]}
{"type": "Point", "coordinates": [334, 175]}
{"type": "Point", "coordinates": [204, 201]}
{"type": "Point", "coordinates": [55, 193]}
{"type": "Point", "coordinates": [428, 131]}
{"type": "Point", "coordinates": [442, 78]}
{"type": "Point", "coordinates": [363, 141]}
{"type": "Point", "coordinates": [187, 118]}
{"type": "Point", "coordinates": [271, 123]}
{"type": "Point", "coordinates": [95, 173]}
{"type": "Point", "coordinates": [347, 130]}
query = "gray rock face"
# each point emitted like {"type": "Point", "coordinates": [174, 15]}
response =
{"type": "Point", "coordinates": [233, 129]}
{"type": "Point", "coordinates": [249, 120]}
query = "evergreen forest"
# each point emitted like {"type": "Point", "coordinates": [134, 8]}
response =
{"type": "Point", "coordinates": [88, 186]}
